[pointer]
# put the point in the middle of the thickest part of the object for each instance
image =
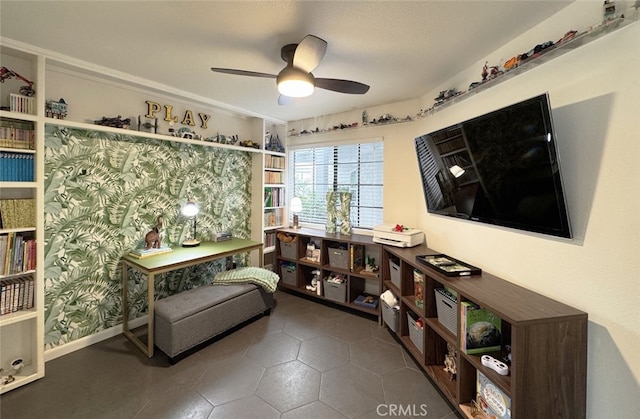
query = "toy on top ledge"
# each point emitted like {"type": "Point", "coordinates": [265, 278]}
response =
{"type": "Point", "coordinates": [115, 122]}
{"type": "Point", "coordinates": [6, 74]}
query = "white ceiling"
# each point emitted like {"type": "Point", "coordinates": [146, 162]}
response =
{"type": "Point", "coordinates": [402, 49]}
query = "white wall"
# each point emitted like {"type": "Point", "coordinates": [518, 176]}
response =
{"type": "Point", "coordinates": [594, 92]}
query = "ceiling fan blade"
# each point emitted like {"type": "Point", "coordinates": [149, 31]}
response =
{"type": "Point", "coordinates": [309, 52]}
{"type": "Point", "coordinates": [342, 86]}
{"type": "Point", "coordinates": [243, 72]}
{"type": "Point", "coordinates": [284, 100]}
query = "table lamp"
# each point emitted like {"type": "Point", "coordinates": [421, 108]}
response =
{"type": "Point", "coordinates": [296, 207]}
{"type": "Point", "coordinates": [191, 210]}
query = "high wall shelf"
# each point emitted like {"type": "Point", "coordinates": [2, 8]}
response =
{"type": "Point", "coordinates": [546, 55]}
{"type": "Point", "coordinates": [21, 198]}
{"type": "Point", "coordinates": [547, 339]}
{"type": "Point", "coordinates": [335, 255]}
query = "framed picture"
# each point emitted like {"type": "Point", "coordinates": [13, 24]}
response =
{"type": "Point", "coordinates": [447, 265]}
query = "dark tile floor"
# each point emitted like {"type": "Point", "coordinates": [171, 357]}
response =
{"type": "Point", "coordinates": [306, 360]}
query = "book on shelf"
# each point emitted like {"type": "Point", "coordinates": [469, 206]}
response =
{"type": "Point", "coordinates": [356, 257]}
{"type": "Point", "coordinates": [481, 329]}
{"type": "Point", "coordinates": [17, 134]}
{"type": "Point", "coordinates": [366, 300]}
{"type": "Point", "coordinates": [22, 104]}
{"type": "Point", "coordinates": [16, 167]}
{"type": "Point", "coordinates": [145, 253]}
{"type": "Point", "coordinates": [16, 294]}
{"type": "Point", "coordinates": [17, 253]}
{"type": "Point", "coordinates": [17, 213]}
{"type": "Point", "coordinates": [491, 401]}
{"type": "Point", "coordinates": [274, 162]}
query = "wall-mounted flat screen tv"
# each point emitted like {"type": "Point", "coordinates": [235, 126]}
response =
{"type": "Point", "coordinates": [500, 168]}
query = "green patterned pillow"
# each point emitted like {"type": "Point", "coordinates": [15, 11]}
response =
{"type": "Point", "coordinates": [252, 274]}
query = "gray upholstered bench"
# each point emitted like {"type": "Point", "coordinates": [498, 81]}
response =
{"type": "Point", "coordinates": [185, 320]}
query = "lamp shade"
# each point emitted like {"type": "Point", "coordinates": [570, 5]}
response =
{"type": "Point", "coordinates": [456, 171]}
{"type": "Point", "coordinates": [190, 209]}
{"type": "Point", "coordinates": [293, 82]}
{"type": "Point", "coordinates": [296, 204]}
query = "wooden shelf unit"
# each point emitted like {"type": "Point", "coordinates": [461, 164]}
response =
{"type": "Point", "coordinates": [548, 340]}
{"type": "Point", "coordinates": [358, 281]}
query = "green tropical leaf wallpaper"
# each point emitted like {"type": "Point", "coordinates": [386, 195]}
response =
{"type": "Point", "coordinates": [103, 192]}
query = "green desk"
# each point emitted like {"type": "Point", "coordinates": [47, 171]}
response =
{"type": "Point", "coordinates": [180, 257]}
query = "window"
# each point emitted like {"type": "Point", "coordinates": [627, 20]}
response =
{"type": "Point", "coordinates": [355, 168]}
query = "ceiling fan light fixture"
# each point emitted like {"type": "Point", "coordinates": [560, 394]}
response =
{"type": "Point", "coordinates": [294, 82]}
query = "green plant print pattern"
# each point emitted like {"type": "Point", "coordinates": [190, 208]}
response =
{"type": "Point", "coordinates": [102, 193]}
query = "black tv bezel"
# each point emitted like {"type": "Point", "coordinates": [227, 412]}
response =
{"type": "Point", "coordinates": [564, 230]}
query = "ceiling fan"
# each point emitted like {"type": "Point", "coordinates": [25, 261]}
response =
{"type": "Point", "coordinates": [296, 80]}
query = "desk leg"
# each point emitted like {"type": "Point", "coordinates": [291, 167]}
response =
{"type": "Point", "coordinates": [148, 349]}
{"type": "Point", "coordinates": [261, 256]}
{"type": "Point", "coordinates": [151, 309]}
{"type": "Point", "coordinates": [125, 298]}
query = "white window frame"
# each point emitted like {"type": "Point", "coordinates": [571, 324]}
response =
{"type": "Point", "coordinates": [315, 143]}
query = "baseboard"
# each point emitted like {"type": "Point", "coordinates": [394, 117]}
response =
{"type": "Point", "coordinates": [87, 341]}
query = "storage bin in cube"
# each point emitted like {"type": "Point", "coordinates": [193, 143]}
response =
{"type": "Point", "coordinates": [390, 315]}
{"type": "Point", "coordinates": [288, 273]}
{"type": "Point", "coordinates": [334, 291]}
{"type": "Point", "coordinates": [447, 308]}
{"type": "Point", "coordinates": [339, 258]}
{"type": "Point", "coordinates": [394, 269]}
{"type": "Point", "coordinates": [289, 250]}
{"type": "Point", "coordinates": [416, 333]}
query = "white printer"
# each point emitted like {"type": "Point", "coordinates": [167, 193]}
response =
{"type": "Point", "coordinates": [388, 234]}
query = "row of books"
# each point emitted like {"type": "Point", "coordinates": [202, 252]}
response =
{"type": "Point", "coordinates": [272, 177]}
{"type": "Point", "coordinates": [17, 213]}
{"type": "Point", "coordinates": [22, 104]}
{"type": "Point", "coordinates": [274, 162]}
{"type": "Point", "coordinates": [17, 253]}
{"type": "Point", "coordinates": [273, 218]}
{"type": "Point", "coordinates": [16, 167]}
{"type": "Point", "coordinates": [270, 239]}
{"type": "Point", "coordinates": [17, 134]}
{"type": "Point", "coordinates": [274, 197]}
{"type": "Point", "coordinates": [16, 294]}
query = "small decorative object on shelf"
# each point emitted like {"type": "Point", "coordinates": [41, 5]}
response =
{"type": "Point", "coordinates": [274, 144]}
{"type": "Point", "coordinates": [450, 362]}
{"type": "Point", "coordinates": [609, 9]}
{"type": "Point", "coordinates": [316, 283]}
{"type": "Point", "coordinates": [445, 95]}
{"type": "Point", "coordinates": [6, 74]}
{"type": "Point", "coordinates": [148, 126]}
{"type": "Point", "coordinates": [114, 122]}
{"type": "Point", "coordinates": [368, 301]}
{"type": "Point", "coordinates": [313, 253]}
{"type": "Point", "coordinates": [152, 238]}
{"type": "Point", "coordinates": [418, 288]}
{"type": "Point", "coordinates": [188, 133]}
{"type": "Point", "coordinates": [370, 264]}
{"type": "Point", "coordinates": [489, 73]}
{"type": "Point", "coordinates": [448, 265]}
{"type": "Point", "coordinates": [56, 109]}
{"type": "Point", "coordinates": [250, 144]}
